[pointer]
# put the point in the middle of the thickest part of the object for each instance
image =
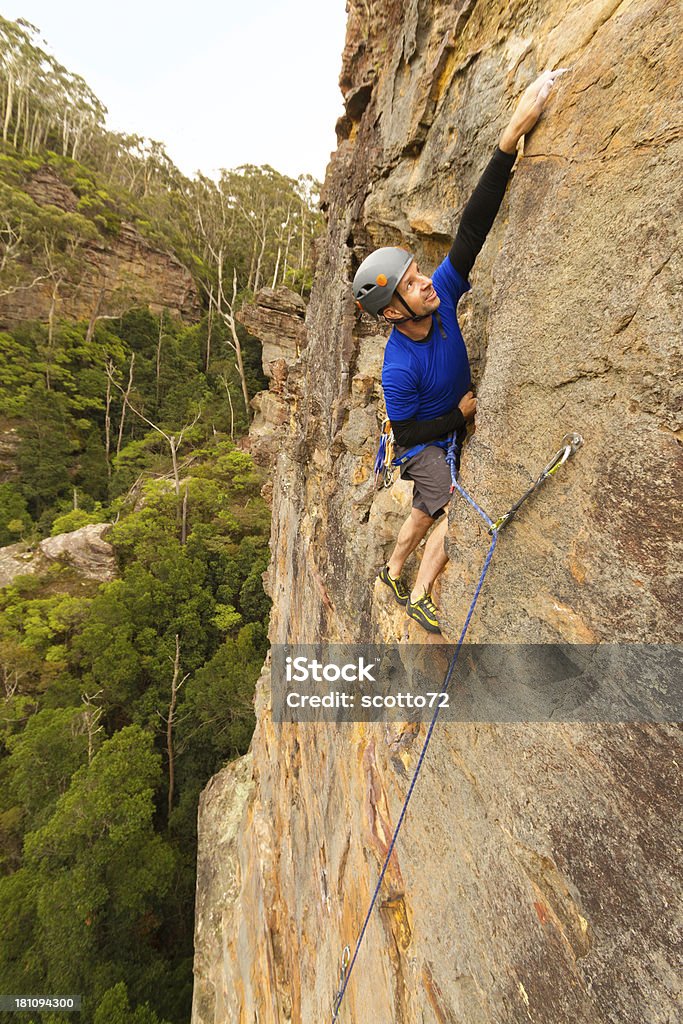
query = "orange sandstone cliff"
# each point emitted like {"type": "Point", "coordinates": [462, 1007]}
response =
{"type": "Point", "coordinates": [535, 875]}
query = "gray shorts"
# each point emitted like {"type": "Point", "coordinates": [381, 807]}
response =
{"type": "Point", "coordinates": [431, 477]}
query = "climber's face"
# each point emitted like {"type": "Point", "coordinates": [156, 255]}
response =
{"type": "Point", "coordinates": [416, 288]}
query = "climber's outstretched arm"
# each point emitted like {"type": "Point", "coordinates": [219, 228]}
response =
{"type": "Point", "coordinates": [484, 203]}
{"type": "Point", "coordinates": [480, 212]}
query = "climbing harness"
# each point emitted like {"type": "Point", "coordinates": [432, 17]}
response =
{"type": "Point", "coordinates": [570, 445]}
{"type": "Point", "coordinates": [402, 459]}
{"type": "Point", "coordinates": [385, 462]}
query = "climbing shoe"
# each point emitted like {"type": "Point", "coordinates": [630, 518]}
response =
{"type": "Point", "coordinates": [424, 611]}
{"type": "Point", "coordinates": [397, 589]}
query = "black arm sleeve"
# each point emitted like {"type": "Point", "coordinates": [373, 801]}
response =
{"type": "Point", "coordinates": [480, 212]}
{"type": "Point", "coordinates": [411, 432]}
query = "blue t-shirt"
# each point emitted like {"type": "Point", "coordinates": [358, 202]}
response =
{"type": "Point", "coordinates": [426, 379]}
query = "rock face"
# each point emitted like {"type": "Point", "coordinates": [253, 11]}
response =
{"type": "Point", "coordinates": [84, 549]}
{"type": "Point", "coordinates": [276, 318]}
{"type": "Point", "coordinates": [535, 877]}
{"type": "Point", "coordinates": [116, 273]}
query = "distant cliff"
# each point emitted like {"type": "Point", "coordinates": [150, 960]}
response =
{"type": "Point", "coordinates": [535, 878]}
{"type": "Point", "coordinates": [115, 272]}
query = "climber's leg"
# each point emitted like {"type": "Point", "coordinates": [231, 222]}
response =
{"type": "Point", "coordinates": [410, 535]}
{"type": "Point", "coordinates": [433, 561]}
{"type": "Point", "coordinates": [431, 477]}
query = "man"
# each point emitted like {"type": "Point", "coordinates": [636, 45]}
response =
{"type": "Point", "coordinates": [426, 372]}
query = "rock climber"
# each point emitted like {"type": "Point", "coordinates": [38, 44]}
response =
{"type": "Point", "coordinates": [426, 372]}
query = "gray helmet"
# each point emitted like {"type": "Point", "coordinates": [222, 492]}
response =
{"type": "Point", "coordinates": [378, 276]}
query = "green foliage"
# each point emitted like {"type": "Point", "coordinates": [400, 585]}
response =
{"type": "Point", "coordinates": [226, 618]}
{"type": "Point", "coordinates": [97, 874]}
{"type": "Point", "coordinates": [18, 373]}
{"type": "Point", "coordinates": [254, 601]}
{"type": "Point", "coordinates": [114, 1008]}
{"type": "Point", "coordinates": [108, 807]}
{"type": "Point", "coordinates": [100, 872]}
{"type": "Point", "coordinates": [62, 428]}
{"type": "Point", "coordinates": [20, 967]}
{"type": "Point", "coordinates": [138, 535]}
{"type": "Point", "coordinates": [44, 756]}
{"type": "Point", "coordinates": [46, 449]}
{"type": "Point", "coordinates": [44, 625]}
{"type": "Point", "coordinates": [15, 519]}
{"type": "Point", "coordinates": [75, 519]}
{"type": "Point", "coordinates": [99, 856]}
{"type": "Point", "coordinates": [218, 712]}
{"type": "Point", "coordinates": [22, 669]}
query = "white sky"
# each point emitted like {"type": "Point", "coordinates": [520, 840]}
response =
{"type": "Point", "coordinates": [220, 82]}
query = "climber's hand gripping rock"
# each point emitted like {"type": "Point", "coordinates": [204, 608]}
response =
{"type": "Point", "coordinates": [468, 405]}
{"type": "Point", "coordinates": [529, 108]}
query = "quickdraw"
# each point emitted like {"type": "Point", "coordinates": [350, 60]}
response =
{"type": "Point", "coordinates": [384, 460]}
{"type": "Point", "coordinates": [570, 445]}
{"type": "Point", "coordinates": [345, 957]}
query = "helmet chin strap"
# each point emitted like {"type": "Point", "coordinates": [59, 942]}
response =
{"type": "Point", "coordinates": [413, 317]}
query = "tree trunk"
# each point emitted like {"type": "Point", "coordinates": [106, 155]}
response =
{"type": "Point", "coordinates": [232, 411]}
{"type": "Point", "coordinates": [277, 266]}
{"type": "Point", "coordinates": [92, 715]}
{"type": "Point", "coordinates": [8, 108]}
{"type": "Point", "coordinates": [27, 122]}
{"type": "Point", "coordinates": [229, 318]}
{"type": "Point", "coordinates": [17, 123]}
{"type": "Point", "coordinates": [252, 266]}
{"type": "Point", "coordinates": [93, 319]}
{"type": "Point", "coordinates": [158, 362]}
{"type": "Point", "coordinates": [107, 420]}
{"type": "Point", "coordinates": [175, 687]}
{"type": "Point", "coordinates": [78, 135]}
{"type": "Point", "coordinates": [257, 278]}
{"type": "Point", "coordinates": [209, 325]}
{"type": "Point", "coordinates": [125, 402]}
{"type": "Point", "coordinates": [183, 529]}
{"type": "Point", "coordinates": [34, 129]}
{"type": "Point", "coordinates": [285, 263]}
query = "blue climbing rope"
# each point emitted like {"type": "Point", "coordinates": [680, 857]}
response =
{"type": "Point", "coordinates": [451, 456]}
{"type": "Point", "coordinates": [570, 444]}
{"type": "Point", "coordinates": [452, 460]}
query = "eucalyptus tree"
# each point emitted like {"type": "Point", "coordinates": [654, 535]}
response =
{"type": "Point", "coordinates": [43, 103]}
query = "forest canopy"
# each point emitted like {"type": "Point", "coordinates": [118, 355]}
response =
{"type": "Point", "coordinates": [121, 697]}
